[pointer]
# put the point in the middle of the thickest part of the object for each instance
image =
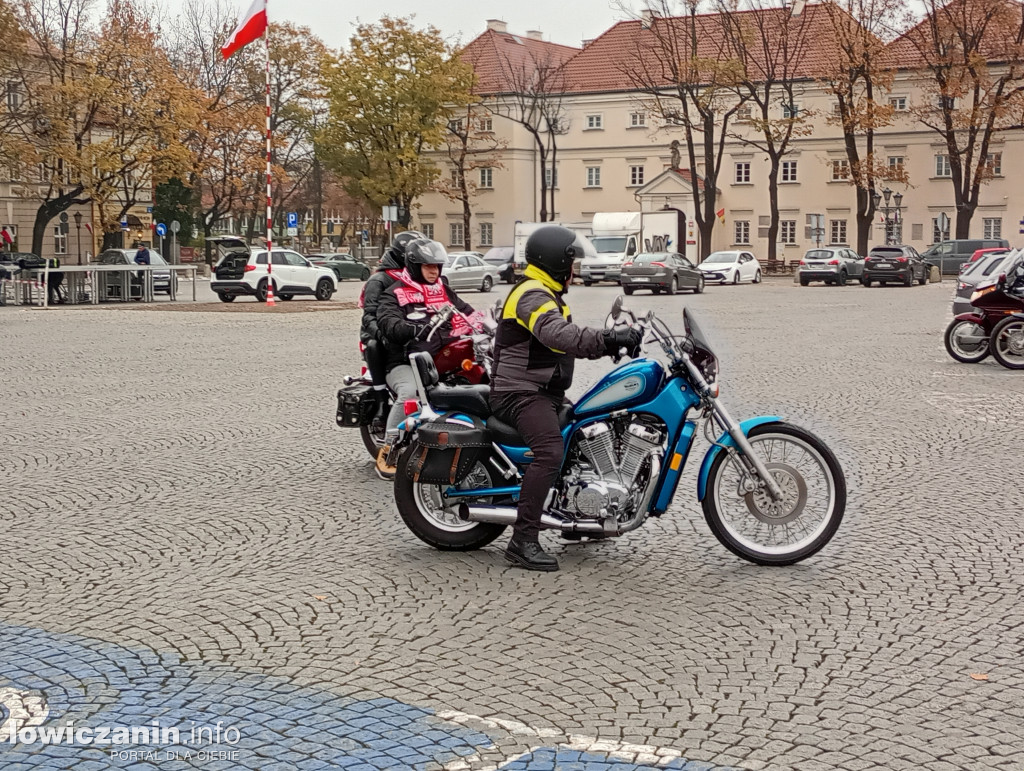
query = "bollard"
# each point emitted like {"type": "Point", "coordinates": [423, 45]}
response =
{"type": "Point", "coordinates": [934, 274]}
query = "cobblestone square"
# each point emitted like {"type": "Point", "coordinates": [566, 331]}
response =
{"type": "Point", "coordinates": [188, 538]}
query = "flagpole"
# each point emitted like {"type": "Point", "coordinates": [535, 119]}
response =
{"type": "Point", "coordinates": [270, 218]}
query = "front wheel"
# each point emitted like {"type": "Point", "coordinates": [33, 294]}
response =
{"type": "Point", "coordinates": [433, 518]}
{"type": "Point", "coordinates": [365, 275]}
{"type": "Point", "coordinates": [1008, 343]}
{"type": "Point", "coordinates": [587, 283]}
{"type": "Point", "coordinates": [700, 285]}
{"type": "Point", "coordinates": [757, 277]}
{"type": "Point", "coordinates": [736, 277]}
{"type": "Point", "coordinates": [769, 532]}
{"type": "Point", "coordinates": [966, 341]}
{"type": "Point", "coordinates": [487, 284]}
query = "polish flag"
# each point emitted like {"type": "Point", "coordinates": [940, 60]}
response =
{"type": "Point", "coordinates": [252, 25]}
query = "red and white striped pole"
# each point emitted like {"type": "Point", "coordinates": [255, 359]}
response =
{"type": "Point", "coordinates": [270, 218]}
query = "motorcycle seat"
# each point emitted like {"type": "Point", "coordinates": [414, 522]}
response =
{"type": "Point", "coordinates": [503, 433]}
{"type": "Point", "coordinates": [471, 399]}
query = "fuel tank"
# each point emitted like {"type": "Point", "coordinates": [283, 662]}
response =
{"type": "Point", "coordinates": [635, 382]}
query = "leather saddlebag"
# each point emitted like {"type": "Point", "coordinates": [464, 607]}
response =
{"type": "Point", "coordinates": [447, 450]}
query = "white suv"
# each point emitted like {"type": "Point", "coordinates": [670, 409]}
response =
{"type": "Point", "coordinates": [240, 271]}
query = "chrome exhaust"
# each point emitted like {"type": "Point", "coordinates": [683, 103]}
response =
{"type": "Point", "coordinates": [506, 515]}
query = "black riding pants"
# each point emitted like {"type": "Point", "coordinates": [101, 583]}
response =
{"type": "Point", "coordinates": [376, 356]}
{"type": "Point", "coordinates": [535, 417]}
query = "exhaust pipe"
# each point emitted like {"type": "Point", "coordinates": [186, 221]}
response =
{"type": "Point", "coordinates": [506, 515]}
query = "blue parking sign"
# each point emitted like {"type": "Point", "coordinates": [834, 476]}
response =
{"type": "Point", "coordinates": [293, 219]}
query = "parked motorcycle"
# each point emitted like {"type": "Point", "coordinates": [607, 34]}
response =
{"type": "Point", "coordinates": [969, 336]}
{"type": "Point", "coordinates": [465, 359]}
{"type": "Point", "coordinates": [772, 493]}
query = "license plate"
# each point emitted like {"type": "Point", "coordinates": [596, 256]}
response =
{"type": "Point", "coordinates": [883, 265]}
{"type": "Point", "coordinates": [640, 280]}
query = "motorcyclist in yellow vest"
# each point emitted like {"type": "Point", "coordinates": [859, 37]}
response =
{"type": "Point", "coordinates": [535, 348]}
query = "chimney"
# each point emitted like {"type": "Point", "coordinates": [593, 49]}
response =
{"type": "Point", "coordinates": [534, 34]}
{"type": "Point", "coordinates": [587, 42]}
{"type": "Point", "coordinates": [497, 25]}
{"type": "Point", "coordinates": [798, 7]}
{"type": "Point", "coordinates": [647, 15]}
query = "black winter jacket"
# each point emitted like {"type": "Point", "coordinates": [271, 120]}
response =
{"type": "Point", "coordinates": [375, 286]}
{"type": "Point", "coordinates": [398, 334]}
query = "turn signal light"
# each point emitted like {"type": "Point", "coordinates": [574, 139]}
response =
{"type": "Point", "coordinates": [410, 406]}
{"type": "Point", "coordinates": [467, 365]}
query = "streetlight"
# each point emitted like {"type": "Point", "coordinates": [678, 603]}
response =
{"type": "Point", "coordinates": [893, 224]}
{"type": "Point", "coordinates": [78, 233]}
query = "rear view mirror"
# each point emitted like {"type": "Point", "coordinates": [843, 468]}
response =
{"type": "Point", "coordinates": [617, 307]}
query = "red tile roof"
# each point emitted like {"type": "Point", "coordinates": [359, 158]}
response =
{"type": "Point", "coordinates": [915, 48]}
{"type": "Point", "coordinates": [501, 59]}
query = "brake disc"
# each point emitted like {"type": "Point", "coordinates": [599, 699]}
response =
{"type": "Point", "coordinates": [794, 496]}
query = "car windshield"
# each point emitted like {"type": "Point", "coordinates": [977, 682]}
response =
{"type": "Point", "coordinates": [647, 258]}
{"type": "Point", "coordinates": [819, 254]}
{"type": "Point", "coordinates": [721, 257]}
{"type": "Point", "coordinates": [886, 254]}
{"type": "Point", "coordinates": [609, 244]}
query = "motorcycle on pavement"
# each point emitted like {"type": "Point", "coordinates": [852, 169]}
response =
{"type": "Point", "coordinates": [772, 493]}
{"type": "Point", "coordinates": [971, 337]}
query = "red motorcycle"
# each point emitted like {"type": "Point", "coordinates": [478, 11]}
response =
{"type": "Point", "coordinates": [971, 337]}
{"type": "Point", "coordinates": [465, 359]}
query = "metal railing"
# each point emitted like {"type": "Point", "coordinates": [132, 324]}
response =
{"type": "Point", "coordinates": [91, 284]}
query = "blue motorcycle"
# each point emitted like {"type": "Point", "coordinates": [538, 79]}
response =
{"type": "Point", "coordinates": [772, 493]}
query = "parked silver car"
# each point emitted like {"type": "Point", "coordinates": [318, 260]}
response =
{"type": "Point", "coordinates": [161, 278]}
{"type": "Point", "coordinates": [831, 264]}
{"type": "Point", "coordinates": [467, 270]}
{"type": "Point", "coordinates": [985, 269]}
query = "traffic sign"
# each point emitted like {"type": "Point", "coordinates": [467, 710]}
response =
{"type": "Point", "coordinates": [175, 226]}
{"type": "Point", "coordinates": [293, 231]}
{"type": "Point", "coordinates": [63, 216]}
{"type": "Point", "coordinates": [124, 224]}
{"type": "Point", "coordinates": [389, 213]}
{"type": "Point", "coordinates": [293, 221]}
{"type": "Point", "coordinates": [161, 229]}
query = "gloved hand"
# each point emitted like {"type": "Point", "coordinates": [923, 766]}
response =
{"type": "Point", "coordinates": [623, 337]}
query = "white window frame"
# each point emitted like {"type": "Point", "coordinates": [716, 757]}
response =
{"type": "Point", "coordinates": [741, 232]}
{"type": "Point", "coordinates": [456, 229]}
{"type": "Point", "coordinates": [896, 162]}
{"type": "Point", "coordinates": [838, 232]}
{"type": "Point", "coordinates": [636, 176]}
{"type": "Point", "coordinates": [486, 178]}
{"type": "Point", "coordinates": [995, 163]}
{"type": "Point", "coordinates": [788, 172]}
{"type": "Point", "coordinates": [427, 229]}
{"type": "Point", "coordinates": [487, 124]}
{"type": "Point", "coordinates": [486, 234]}
{"type": "Point", "coordinates": [898, 103]}
{"type": "Point", "coordinates": [840, 169]}
{"type": "Point", "coordinates": [637, 120]}
{"type": "Point", "coordinates": [14, 99]}
{"type": "Point", "coordinates": [60, 240]}
{"type": "Point", "coordinates": [593, 176]}
{"type": "Point", "coordinates": [745, 113]}
{"type": "Point", "coordinates": [787, 231]}
{"type": "Point", "coordinates": [594, 122]}
{"type": "Point", "coordinates": [551, 177]}
{"type": "Point", "coordinates": [741, 175]}
{"type": "Point", "coordinates": [993, 227]}
{"type": "Point", "coordinates": [790, 110]}
{"type": "Point", "coordinates": [455, 177]}
{"type": "Point", "coordinates": [942, 167]}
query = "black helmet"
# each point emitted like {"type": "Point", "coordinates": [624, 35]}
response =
{"type": "Point", "coordinates": [553, 248]}
{"type": "Point", "coordinates": [397, 249]}
{"type": "Point", "coordinates": [423, 251]}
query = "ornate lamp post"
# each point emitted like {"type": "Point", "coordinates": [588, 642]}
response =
{"type": "Point", "coordinates": [893, 219]}
{"type": "Point", "coordinates": [78, 234]}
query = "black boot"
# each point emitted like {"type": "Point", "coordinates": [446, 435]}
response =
{"type": "Point", "coordinates": [529, 555]}
{"type": "Point", "coordinates": [380, 417]}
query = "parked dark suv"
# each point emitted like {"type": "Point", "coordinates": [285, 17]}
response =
{"type": "Point", "coordinates": [899, 264]}
{"type": "Point", "coordinates": [950, 255]}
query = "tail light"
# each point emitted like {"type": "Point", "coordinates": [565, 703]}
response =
{"type": "Point", "coordinates": [248, 268]}
{"type": "Point", "coordinates": [658, 265]}
{"type": "Point", "coordinates": [803, 262]}
{"type": "Point", "coordinates": [901, 259]}
{"type": "Point", "coordinates": [410, 406]}
{"type": "Point", "coordinates": [961, 285]}
{"type": "Point", "coordinates": [833, 262]}
{"type": "Point", "coordinates": [627, 264]}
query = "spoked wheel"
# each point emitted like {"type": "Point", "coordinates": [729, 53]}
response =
{"type": "Point", "coordinates": [372, 440]}
{"type": "Point", "coordinates": [966, 341]}
{"type": "Point", "coordinates": [769, 532]}
{"type": "Point", "coordinates": [434, 519]}
{"type": "Point", "coordinates": [1007, 343]}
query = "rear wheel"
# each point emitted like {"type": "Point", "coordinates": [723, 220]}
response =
{"type": "Point", "coordinates": [324, 289]}
{"type": "Point", "coordinates": [627, 289]}
{"type": "Point", "coordinates": [434, 519]}
{"type": "Point", "coordinates": [768, 532]}
{"type": "Point", "coordinates": [226, 298]}
{"type": "Point", "coordinates": [757, 277]}
{"type": "Point", "coordinates": [673, 286]}
{"type": "Point", "coordinates": [286, 296]}
{"type": "Point", "coordinates": [865, 282]}
{"type": "Point", "coordinates": [372, 440]}
{"type": "Point", "coordinates": [261, 291]}
{"type": "Point", "coordinates": [842, 278]}
{"type": "Point", "coordinates": [487, 284]}
{"type": "Point", "coordinates": [587, 283]}
{"type": "Point", "coordinates": [966, 341]}
{"type": "Point", "coordinates": [804, 281]}
{"type": "Point", "coordinates": [909, 280]}
{"type": "Point", "coordinates": [1007, 344]}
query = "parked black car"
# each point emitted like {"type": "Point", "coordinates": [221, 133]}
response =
{"type": "Point", "coordinates": [501, 258]}
{"type": "Point", "coordinates": [899, 264]}
{"type": "Point", "coordinates": [660, 272]}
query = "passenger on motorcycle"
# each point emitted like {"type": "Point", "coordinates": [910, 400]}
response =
{"type": "Point", "coordinates": [419, 291]}
{"type": "Point", "coordinates": [535, 348]}
{"type": "Point", "coordinates": [391, 265]}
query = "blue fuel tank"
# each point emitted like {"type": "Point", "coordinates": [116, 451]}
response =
{"type": "Point", "coordinates": [635, 382]}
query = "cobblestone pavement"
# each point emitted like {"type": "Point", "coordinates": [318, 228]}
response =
{"type": "Point", "coordinates": [189, 539]}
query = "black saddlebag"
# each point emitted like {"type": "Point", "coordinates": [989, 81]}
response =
{"type": "Point", "coordinates": [356, 406]}
{"type": "Point", "coordinates": [447, 450]}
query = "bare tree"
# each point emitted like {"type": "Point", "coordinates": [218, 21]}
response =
{"type": "Point", "coordinates": [771, 44]}
{"type": "Point", "coordinates": [974, 52]}
{"type": "Point", "coordinates": [470, 145]}
{"type": "Point", "coordinates": [857, 72]}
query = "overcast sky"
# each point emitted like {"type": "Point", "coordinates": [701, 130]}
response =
{"type": "Point", "coordinates": [565, 21]}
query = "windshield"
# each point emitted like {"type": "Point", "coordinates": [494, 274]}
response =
{"type": "Point", "coordinates": [646, 258]}
{"type": "Point", "coordinates": [721, 257]}
{"type": "Point", "coordinates": [695, 332]}
{"type": "Point", "coordinates": [818, 254]}
{"type": "Point", "coordinates": [609, 244]}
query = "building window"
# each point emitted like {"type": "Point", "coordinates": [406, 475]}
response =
{"type": "Point", "coordinates": [486, 234]}
{"type": "Point", "coordinates": [836, 110]}
{"type": "Point", "coordinates": [551, 177]}
{"type": "Point", "coordinates": [636, 175]}
{"type": "Point", "coordinates": [13, 96]}
{"type": "Point", "coordinates": [898, 103]}
{"type": "Point", "coordinates": [487, 178]}
{"type": "Point", "coordinates": [427, 229]}
{"type": "Point", "coordinates": [455, 126]}
{"type": "Point", "coordinates": [455, 177]}
{"type": "Point", "coordinates": [789, 171]}
{"type": "Point", "coordinates": [486, 124]}
{"type": "Point", "coordinates": [838, 231]}
{"type": "Point", "coordinates": [994, 162]}
{"type": "Point", "coordinates": [593, 176]}
{"type": "Point", "coordinates": [993, 227]}
{"type": "Point", "coordinates": [595, 122]}
{"type": "Point", "coordinates": [456, 234]}
{"type": "Point", "coordinates": [60, 240]}
{"type": "Point", "coordinates": [896, 163]}
{"type": "Point", "coordinates": [637, 119]}
{"type": "Point", "coordinates": [840, 169]}
{"type": "Point", "coordinates": [945, 102]}
{"type": "Point", "coordinates": [938, 232]}
{"type": "Point", "coordinates": [787, 231]}
{"type": "Point", "coordinates": [741, 231]}
{"type": "Point", "coordinates": [744, 113]}
{"type": "Point", "coordinates": [942, 168]}
{"type": "Point", "coordinates": [790, 110]}
{"type": "Point", "coordinates": [742, 172]}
